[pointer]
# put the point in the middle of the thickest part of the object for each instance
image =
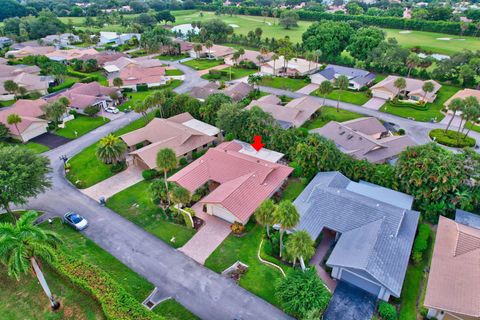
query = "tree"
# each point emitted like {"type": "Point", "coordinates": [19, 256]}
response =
{"type": "Point", "coordinates": [10, 86]}
{"type": "Point", "coordinates": [413, 60]}
{"type": "Point", "coordinates": [289, 19]}
{"type": "Point", "coordinates": [159, 100]}
{"type": "Point", "coordinates": [325, 88]}
{"type": "Point", "coordinates": [23, 174]}
{"type": "Point", "coordinates": [265, 214]}
{"type": "Point", "coordinates": [427, 87]}
{"type": "Point", "coordinates": [216, 30]}
{"type": "Point", "coordinates": [300, 246]}
{"type": "Point", "coordinates": [92, 110]}
{"type": "Point", "coordinates": [154, 39]}
{"type": "Point", "coordinates": [23, 244]}
{"type": "Point", "coordinates": [166, 161]}
{"type": "Point", "coordinates": [111, 149]}
{"type": "Point", "coordinates": [455, 105]}
{"type": "Point", "coordinates": [399, 83]}
{"type": "Point", "coordinates": [254, 79]}
{"type": "Point", "coordinates": [309, 56]}
{"type": "Point", "coordinates": [342, 83]}
{"type": "Point", "coordinates": [166, 16]}
{"type": "Point", "coordinates": [329, 36]}
{"type": "Point", "coordinates": [15, 119]}
{"type": "Point", "coordinates": [117, 82]}
{"type": "Point", "coordinates": [302, 292]}
{"type": "Point", "coordinates": [4, 132]}
{"type": "Point", "coordinates": [353, 8]}
{"type": "Point", "coordinates": [22, 91]}
{"type": "Point", "coordinates": [198, 49]}
{"type": "Point", "coordinates": [365, 40]}
{"type": "Point", "coordinates": [159, 190]}
{"type": "Point", "coordinates": [181, 196]}
{"type": "Point", "coordinates": [208, 110]}
{"type": "Point", "coordinates": [275, 57]}
{"type": "Point", "coordinates": [142, 108]}
{"type": "Point", "coordinates": [208, 45]}
{"type": "Point", "coordinates": [287, 217]}
{"type": "Point", "coordinates": [471, 111]}
{"type": "Point", "coordinates": [54, 111]}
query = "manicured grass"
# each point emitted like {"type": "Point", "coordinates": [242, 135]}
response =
{"type": "Point", "coordinates": [6, 103]}
{"type": "Point", "coordinates": [294, 188]}
{"type": "Point", "coordinates": [133, 97]}
{"type": "Point", "coordinates": [433, 111]}
{"type": "Point", "coordinates": [472, 127]}
{"type": "Point", "coordinates": [35, 147]}
{"type": "Point", "coordinates": [202, 64]}
{"type": "Point", "coordinates": [86, 170]}
{"type": "Point", "coordinates": [327, 114]}
{"type": "Point", "coordinates": [283, 83]}
{"type": "Point", "coordinates": [80, 126]}
{"type": "Point", "coordinates": [173, 72]}
{"type": "Point", "coordinates": [135, 204]}
{"type": "Point", "coordinates": [172, 310]}
{"type": "Point", "coordinates": [260, 279]}
{"type": "Point", "coordinates": [233, 73]}
{"type": "Point", "coordinates": [451, 138]}
{"type": "Point", "coordinates": [167, 57]}
{"type": "Point", "coordinates": [354, 97]}
{"type": "Point", "coordinates": [67, 83]}
{"type": "Point", "coordinates": [412, 285]}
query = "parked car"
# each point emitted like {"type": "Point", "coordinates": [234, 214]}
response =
{"type": "Point", "coordinates": [75, 220]}
{"type": "Point", "coordinates": [112, 110]}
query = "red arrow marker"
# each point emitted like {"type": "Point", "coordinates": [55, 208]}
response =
{"type": "Point", "coordinates": [257, 143]}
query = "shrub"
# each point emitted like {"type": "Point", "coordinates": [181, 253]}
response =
{"type": "Point", "coordinates": [451, 138]}
{"type": "Point", "coordinates": [196, 155]}
{"type": "Point", "coordinates": [183, 162]}
{"type": "Point", "coordinates": [229, 136]}
{"type": "Point", "coordinates": [387, 311]}
{"type": "Point", "coordinates": [297, 169]}
{"type": "Point", "coordinates": [117, 167]}
{"type": "Point", "coordinates": [89, 79]}
{"type": "Point", "coordinates": [420, 245]}
{"type": "Point", "coordinates": [214, 74]}
{"type": "Point", "coordinates": [91, 110]}
{"type": "Point", "coordinates": [142, 87]}
{"type": "Point", "coordinates": [401, 132]}
{"type": "Point", "coordinates": [237, 228]}
{"type": "Point", "coordinates": [127, 90]}
{"type": "Point", "coordinates": [149, 174]}
{"type": "Point", "coordinates": [74, 113]}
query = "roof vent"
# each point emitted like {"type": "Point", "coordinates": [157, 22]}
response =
{"type": "Point", "coordinates": [378, 205]}
{"type": "Point", "coordinates": [349, 137]}
{"type": "Point", "coordinates": [342, 133]}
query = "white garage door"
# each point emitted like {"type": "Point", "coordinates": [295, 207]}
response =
{"type": "Point", "coordinates": [34, 130]}
{"type": "Point", "coordinates": [360, 282]}
{"type": "Point", "coordinates": [381, 94]}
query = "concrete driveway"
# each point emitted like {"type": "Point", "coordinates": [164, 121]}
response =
{"type": "Point", "coordinates": [208, 238]}
{"type": "Point", "coordinates": [350, 302]}
{"type": "Point", "coordinates": [374, 103]}
{"type": "Point", "coordinates": [309, 88]}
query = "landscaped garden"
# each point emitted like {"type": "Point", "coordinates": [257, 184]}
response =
{"type": "Point", "coordinates": [451, 138]}
{"type": "Point", "coordinates": [327, 114]}
{"type": "Point", "coordinates": [136, 96]}
{"type": "Point", "coordinates": [173, 72]}
{"type": "Point", "coordinates": [227, 74]}
{"type": "Point", "coordinates": [429, 112]}
{"type": "Point", "coordinates": [81, 125]}
{"type": "Point", "coordinates": [349, 96]}
{"type": "Point", "coordinates": [167, 57]}
{"type": "Point", "coordinates": [284, 83]}
{"type": "Point", "coordinates": [202, 64]}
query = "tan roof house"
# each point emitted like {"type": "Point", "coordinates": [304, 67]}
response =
{"type": "Point", "coordinates": [67, 55]}
{"type": "Point", "coordinates": [386, 89]}
{"type": "Point", "coordinates": [249, 55]}
{"type": "Point", "coordinates": [238, 91]}
{"type": "Point", "coordinates": [215, 52]}
{"type": "Point", "coordinates": [31, 125]}
{"type": "Point", "coordinates": [182, 133]}
{"type": "Point", "coordinates": [112, 67]}
{"type": "Point", "coordinates": [133, 75]}
{"type": "Point", "coordinates": [453, 290]}
{"type": "Point", "coordinates": [365, 138]}
{"type": "Point", "coordinates": [293, 114]}
{"type": "Point", "coordinates": [465, 93]}
{"type": "Point", "coordinates": [30, 51]}
{"type": "Point", "coordinates": [295, 66]}
{"type": "Point", "coordinates": [23, 76]}
{"type": "Point", "coordinates": [202, 92]}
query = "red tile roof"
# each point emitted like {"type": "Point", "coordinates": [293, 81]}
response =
{"type": "Point", "coordinates": [28, 110]}
{"type": "Point", "coordinates": [245, 181]}
{"type": "Point", "coordinates": [82, 95]}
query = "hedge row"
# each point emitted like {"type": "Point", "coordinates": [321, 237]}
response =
{"type": "Point", "coordinates": [452, 138]}
{"type": "Point", "coordinates": [401, 104]}
{"type": "Point", "coordinates": [116, 303]}
{"type": "Point", "coordinates": [420, 245]}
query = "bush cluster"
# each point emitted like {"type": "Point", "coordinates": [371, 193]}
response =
{"type": "Point", "coordinates": [387, 311]}
{"type": "Point", "coordinates": [91, 110]}
{"type": "Point", "coordinates": [452, 138]}
{"type": "Point", "coordinates": [421, 243]}
{"type": "Point", "coordinates": [150, 174]}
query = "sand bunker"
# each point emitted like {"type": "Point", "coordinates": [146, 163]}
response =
{"type": "Point", "coordinates": [234, 25]}
{"type": "Point", "coordinates": [444, 39]}
{"type": "Point", "coordinates": [406, 31]}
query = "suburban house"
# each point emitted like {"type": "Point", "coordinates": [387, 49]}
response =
{"type": "Point", "coordinates": [107, 37]}
{"type": "Point", "coordinates": [62, 40]}
{"type": "Point", "coordinates": [374, 230]}
{"type": "Point", "coordinates": [251, 56]}
{"type": "Point", "coordinates": [462, 94]}
{"type": "Point", "coordinates": [82, 95]}
{"type": "Point", "coordinates": [201, 93]}
{"type": "Point", "coordinates": [237, 91]}
{"type": "Point", "coordinates": [452, 290]}
{"type": "Point", "coordinates": [134, 75]}
{"type": "Point", "coordinates": [24, 76]}
{"type": "Point", "coordinates": [5, 42]}
{"type": "Point", "coordinates": [358, 78]}
{"type": "Point", "coordinates": [112, 68]}
{"type": "Point", "coordinates": [293, 67]}
{"type": "Point", "coordinates": [293, 114]}
{"type": "Point", "coordinates": [182, 133]}
{"type": "Point", "coordinates": [31, 125]}
{"type": "Point", "coordinates": [29, 51]}
{"type": "Point", "coordinates": [365, 138]}
{"type": "Point", "coordinates": [67, 55]}
{"type": "Point", "coordinates": [215, 52]}
{"type": "Point", "coordinates": [103, 57]}
{"type": "Point", "coordinates": [238, 181]}
{"type": "Point", "coordinates": [386, 89]}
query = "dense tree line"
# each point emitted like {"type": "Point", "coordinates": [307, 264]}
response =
{"type": "Point", "coordinates": [25, 28]}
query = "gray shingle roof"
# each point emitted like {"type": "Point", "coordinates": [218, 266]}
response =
{"type": "Point", "coordinates": [467, 218]}
{"type": "Point", "coordinates": [376, 234]}
{"type": "Point", "coordinates": [362, 77]}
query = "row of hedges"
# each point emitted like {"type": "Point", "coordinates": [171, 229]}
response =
{"type": "Point", "coordinates": [116, 303]}
{"type": "Point", "coordinates": [401, 104]}
{"type": "Point", "coordinates": [61, 86]}
{"type": "Point", "coordinates": [420, 245]}
{"type": "Point", "coordinates": [451, 138]}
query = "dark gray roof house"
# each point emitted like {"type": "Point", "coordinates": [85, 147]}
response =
{"type": "Point", "coordinates": [375, 228]}
{"type": "Point", "coordinates": [358, 77]}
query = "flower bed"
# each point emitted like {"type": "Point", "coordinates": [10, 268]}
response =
{"type": "Point", "coordinates": [236, 271]}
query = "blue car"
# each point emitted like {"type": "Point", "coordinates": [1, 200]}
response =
{"type": "Point", "coordinates": [75, 220]}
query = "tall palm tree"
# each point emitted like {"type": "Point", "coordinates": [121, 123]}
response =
{"type": "Point", "coordinates": [310, 57]}
{"type": "Point", "coordinates": [413, 60]}
{"type": "Point", "coordinates": [427, 88]}
{"type": "Point", "coordinates": [254, 79]}
{"type": "Point", "coordinates": [22, 244]}
{"type": "Point", "coordinates": [275, 57]}
{"type": "Point", "coordinates": [472, 112]}
{"type": "Point", "coordinates": [241, 51]}
{"type": "Point", "coordinates": [158, 190]}
{"type": "Point", "coordinates": [181, 196]}
{"type": "Point", "coordinates": [208, 45]}
{"type": "Point", "coordinates": [235, 57]}
{"type": "Point", "coordinates": [342, 84]}
{"type": "Point", "coordinates": [15, 119]}
{"type": "Point", "coordinates": [318, 55]}
{"type": "Point", "coordinates": [301, 246]}
{"type": "Point", "coordinates": [142, 107]}
{"type": "Point", "coordinates": [260, 60]}
{"type": "Point", "coordinates": [197, 48]}
{"type": "Point", "coordinates": [400, 83]}
{"type": "Point", "coordinates": [111, 149]}
{"type": "Point", "coordinates": [264, 214]}
{"type": "Point", "coordinates": [325, 88]}
{"type": "Point", "coordinates": [287, 216]}
{"type": "Point", "coordinates": [166, 161]}
{"type": "Point", "coordinates": [159, 100]}
{"type": "Point", "coordinates": [455, 105]}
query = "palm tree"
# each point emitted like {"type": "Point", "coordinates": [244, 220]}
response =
{"type": "Point", "coordinates": [287, 217]}
{"type": "Point", "coordinates": [472, 111]}
{"type": "Point", "coordinates": [197, 48]}
{"type": "Point", "coordinates": [427, 88]}
{"type": "Point", "coordinates": [241, 51]}
{"type": "Point", "coordinates": [413, 60]}
{"type": "Point", "coordinates": [264, 214]}
{"type": "Point", "coordinates": [159, 99]}
{"type": "Point", "coordinates": [111, 149]}
{"type": "Point", "coordinates": [309, 56]}
{"type": "Point", "coordinates": [455, 105]}
{"type": "Point", "coordinates": [208, 45]}
{"type": "Point", "coordinates": [342, 84]}
{"type": "Point", "coordinates": [325, 88]}
{"type": "Point", "coordinates": [399, 83]}
{"type": "Point", "coordinates": [166, 161]}
{"type": "Point", "coordinates": [142, 107]}
{"type": "Point", "coordinates": [300, 246]}
{"type": "Point", "coordinates": [254, 79]}
{"type": "Point", "coordinates": [275, 57]}
{"type": "Point", "coordinates": [260, 60]}
{"type": "Point", "coordinates": [181, 196]}
{"type": "Point", "coordinates": [22, 244]}
{"type": "Point", "coordinates": [118, 82]}
{"type": "Point", "coordinates": [318, 55]}
{"type": "Point", "coordinates": [159, 191]}
{"type": "Point", "coordinates": [15, 119]}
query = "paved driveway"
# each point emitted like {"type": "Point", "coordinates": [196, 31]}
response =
{"type": "Point", "coordinates": [219, 67]}
{"type": "Point", "coordinates": [374, 103]}
{"type": "Point", "coordinates": [350, 302]}
{"type": "Point", "coordinates": [50, 140]}
{"type": "Point", "coordinates": [208, 238]}
{"type": "Point", "coordinates": [309, 88]}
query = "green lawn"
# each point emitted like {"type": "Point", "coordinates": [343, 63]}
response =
{"type": "Point", "coordinates": [86, 170]}
{"type": "Point", "coordinates": [472, 127]}
{"type": "Point", "coordinates": [202, 64]}
{"type": "Point", "coordinates": [172, 310]}
{"type": "Point", "coordinates": [260, 279]}
{"type": "Point", "coordinates": [434, 111]}
{"type": "Point", "coordinates": [67, 83]}
{"type": "Point", "coordinates": [233, 73]}
{"type": "Point", "coordinates": [6, 103]}
{"type": "Point", "coordinates": [166, 57]}
{"type": "Point", "coordinates": [327, 114]}
{"type": "Point", "coordinates": [133, 97]}
{"type": "Point", "coordinates": [135, 204]}
{"type": "Point", "coordinates": [35, 147]}
{"type": "Point", "coordinates": [283, 83]}
{"type": "Point", "coordinates": [173, 72]}
{"type": "Point", "coordinates": [294, 188]}
{"type": "Point", "coordinates": [353, 97]}
{"type": "Point", "coordinates": [80, 126]}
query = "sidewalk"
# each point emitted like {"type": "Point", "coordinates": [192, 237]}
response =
{"type": "Point", "coordinates": [322, 249]}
